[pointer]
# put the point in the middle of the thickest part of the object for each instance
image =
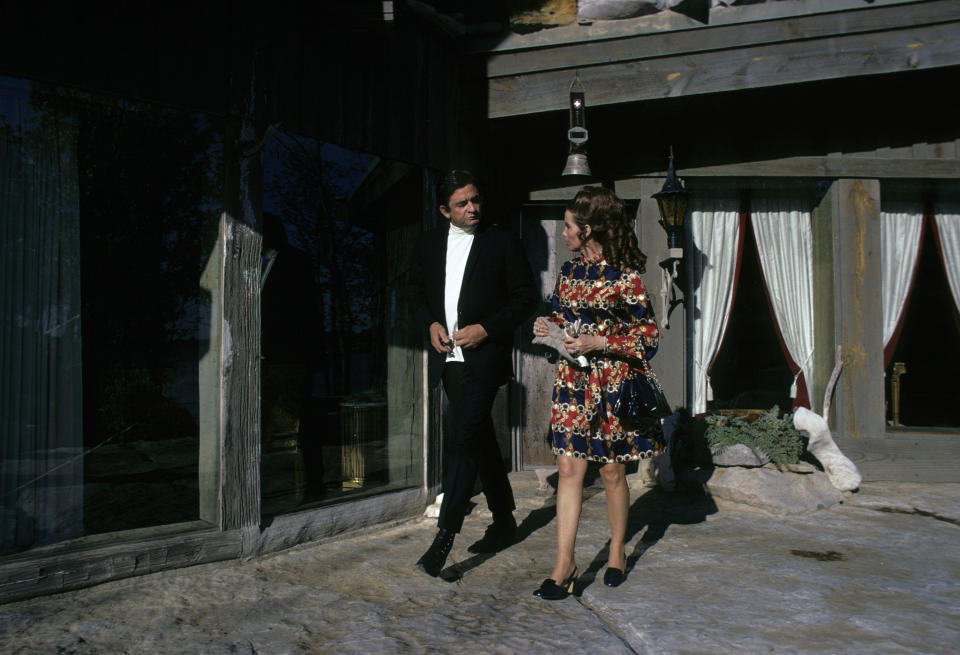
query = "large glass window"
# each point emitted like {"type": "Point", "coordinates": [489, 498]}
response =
{"type": "Point", "coordinates": [341, 370]}
{"type": "Point", "coordinates": [108, 214]}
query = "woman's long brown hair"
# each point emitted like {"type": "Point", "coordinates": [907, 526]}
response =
{"type": "Point", "coordinates": [604, 212]}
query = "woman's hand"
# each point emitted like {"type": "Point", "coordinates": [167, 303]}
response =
{"type": "Point", "coordinates": [584, 344]}
{"type": "Point", "coordinates": [540, 328]}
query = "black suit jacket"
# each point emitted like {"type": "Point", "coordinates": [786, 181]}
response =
{"type": "Point", "coordinates": [498, 292]}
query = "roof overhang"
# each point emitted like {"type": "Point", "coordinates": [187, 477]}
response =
{"type": "Point", "coordinates": [669, 55]}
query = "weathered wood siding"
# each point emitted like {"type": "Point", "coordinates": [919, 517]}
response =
{"type": "Point", "coordinates": [539, 369]}
{"type": "Point", "coordinates": [720, 58]}
{"type": "Point", "coordinates": [89, 562]}
{"type": "Point", "coordinates": [391, 90]}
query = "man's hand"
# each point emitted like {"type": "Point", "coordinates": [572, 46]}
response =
{"type": "Point", "coordinates": [438, 338]}
{"type": "Point", "coordinates": [470, 336]}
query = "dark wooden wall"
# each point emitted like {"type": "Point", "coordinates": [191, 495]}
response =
{"type": "Point", "coordinates": [336, 71]}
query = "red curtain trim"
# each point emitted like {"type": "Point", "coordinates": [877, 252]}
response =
{"type": "Point", "coordinates": [803, 396]}
{"type": "Point", "coordinates": [744, 211]}
{"type": "Point", "coordinates": [891, 345]}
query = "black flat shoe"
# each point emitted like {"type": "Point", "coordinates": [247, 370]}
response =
{"type": "Point", "coordinates": [499, 535]}
{"type": "Point", "coordinates": [613, 577]}
{"type": "Point", "coordinates": [550, 590]}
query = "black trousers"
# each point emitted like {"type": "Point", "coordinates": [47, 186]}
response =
{"type": "Point", "coordinates": [473, 449]}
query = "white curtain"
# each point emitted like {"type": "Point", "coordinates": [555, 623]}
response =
{"type": "Point", "coordinates": [948, 227]}
{"type": "Point", "coordinates": [900, 247]}
{"type": "Point", "coordinates": [716, 237]}
{"type": "Point", "coordinates": [785, 244]}
{"type": "Point", "coordinates": [41, 465]}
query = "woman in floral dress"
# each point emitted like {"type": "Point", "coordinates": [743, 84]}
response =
{"type": "Point", "coordinates": [601, 293]}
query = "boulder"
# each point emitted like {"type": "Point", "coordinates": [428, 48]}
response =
{"type": "Point", "coordinates": [740, 455]}
{"type": "Point", "coordinates": [778, 493]}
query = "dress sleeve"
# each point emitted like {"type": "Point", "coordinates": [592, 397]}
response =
{"type": "Point", "coordinates": [562, 287]}
{"type": "Point", "coordinates": [638, 335]}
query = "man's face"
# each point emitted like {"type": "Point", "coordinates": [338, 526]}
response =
{"type": "Point", "coordinates": [464, 208]}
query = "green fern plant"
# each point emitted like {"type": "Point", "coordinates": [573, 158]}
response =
{"type": "Point", "coordinates": [768, 433]}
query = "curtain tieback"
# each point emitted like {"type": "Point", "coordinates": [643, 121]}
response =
{"type": "Point", "coordinates": [793, 386]}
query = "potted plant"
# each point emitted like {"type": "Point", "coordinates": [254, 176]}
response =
{"type": "Point", "coordinates": [767, 434]}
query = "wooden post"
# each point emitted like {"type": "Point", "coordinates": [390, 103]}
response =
{"type": "Point", "coordinates": [240, 307]}
{"type": "Point", "coordinates": [432, 397]}
{"type": "Point", "coordinates": [540, 241]}
{"type": "Point", "coordinates": [857, 306]}
{"type": "Point", "coordinates": [210, 387]}
{"type": "Point", "coordinates": [824, 346]}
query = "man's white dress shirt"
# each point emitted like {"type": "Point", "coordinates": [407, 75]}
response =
{"type": "Point", "coordinates": [459, 242]}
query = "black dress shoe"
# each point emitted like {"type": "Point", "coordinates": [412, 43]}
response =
{"type": "Point", "coordinates": [613, 577]}
{"type": "Point", "coordinates": [499, 535]}
{"type": "Point", "coordinates": [550, 590]}
{"type": "Point", "coordinates": [432, 561]}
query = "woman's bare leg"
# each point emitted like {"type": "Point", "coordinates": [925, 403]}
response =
{"type": "Point", "coordinates": [569, 503]}
{"type": "Point", "coordinates": [618, 501]}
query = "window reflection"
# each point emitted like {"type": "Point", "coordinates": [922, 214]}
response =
{"type": "Point", "coordinates": [341, 411]}
{"type": "Point", "coordinates": [109, 212]}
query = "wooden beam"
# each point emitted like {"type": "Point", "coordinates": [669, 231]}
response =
{"type": "Point", "coordinates": [764, 10]}
{"type": "Point", "coordinates": [577, 33]}
{"type": "Point", "coordinates": [333, 521]}
{"type": "Point", "coordinates": [663, 21]}
{"type": "Point", "coordinates": [707, 38]}
{"type": "Point", "coordinates": [722, 58]}
{"type": "Point", "coordinates": [833, 167]}
{"type": "Point", "coordinates": [70, 568]}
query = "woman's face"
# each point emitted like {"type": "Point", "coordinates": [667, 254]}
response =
{"type": "Point", "coordinates": [571, 233]}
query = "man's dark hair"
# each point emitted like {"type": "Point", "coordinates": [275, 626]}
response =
{"type": "Point", "coordinates": [452, 181]}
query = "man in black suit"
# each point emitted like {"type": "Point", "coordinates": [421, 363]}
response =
{"type": "Point", "coordinates": [472, 287]}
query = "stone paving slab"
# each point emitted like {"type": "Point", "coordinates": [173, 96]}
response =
{"type": "Point", "coordinates": [843, 580]}
{"type": "Point", "coordinates": [870, 575]}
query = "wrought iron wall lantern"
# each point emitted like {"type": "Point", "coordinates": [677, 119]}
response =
{"type": "Point", "coordinates": [672, 201]}
{"type": "Point", "coordinates": [577, 135]}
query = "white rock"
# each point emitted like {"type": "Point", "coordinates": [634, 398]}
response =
{"type": "Point", "coordinates": [842, 472]}
{"type": "Point", "coordinates": [433, 511]}
{"type": "Point", "coordinates": [616, 9]}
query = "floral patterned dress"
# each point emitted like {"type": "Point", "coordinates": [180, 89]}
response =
{"type": "Point", "coordinates": [610, 303]}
